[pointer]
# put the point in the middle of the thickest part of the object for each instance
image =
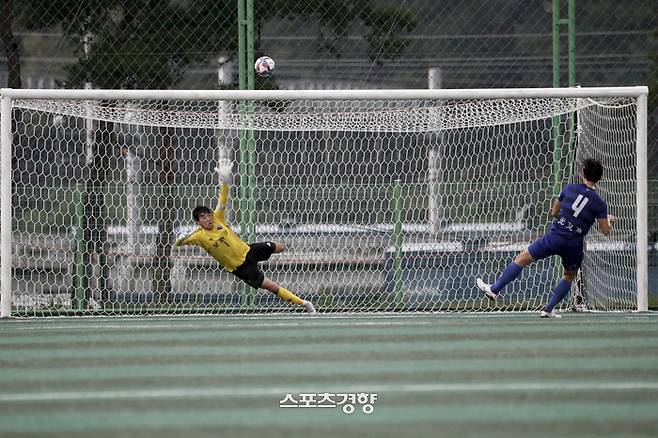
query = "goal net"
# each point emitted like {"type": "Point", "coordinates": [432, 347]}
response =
{"type": "Point", "coordinates": [386, 201]}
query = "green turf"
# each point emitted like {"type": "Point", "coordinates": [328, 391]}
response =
{"type": "Point", "coordinates": [435, 375]}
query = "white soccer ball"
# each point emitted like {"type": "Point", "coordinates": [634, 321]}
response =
{"type": "Point", "coordinates": [264, 66]}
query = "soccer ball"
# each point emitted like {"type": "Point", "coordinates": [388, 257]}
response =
{"type": "Point", "coordinates": [264, 66]}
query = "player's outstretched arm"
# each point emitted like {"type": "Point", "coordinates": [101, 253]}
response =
{"type": "Point", "coordinates": [183, 237]}
{"type": "Point", "coordinates": [224, 170]}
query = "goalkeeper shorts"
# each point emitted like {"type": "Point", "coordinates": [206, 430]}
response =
{"type": "Point", "coordinates": [249, 272]}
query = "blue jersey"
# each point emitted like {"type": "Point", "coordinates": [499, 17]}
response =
{"type": "Point", "coordinates": [581, 207]}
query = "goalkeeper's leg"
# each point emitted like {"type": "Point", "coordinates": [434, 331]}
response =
{"type": "Point", "coordinates": [286, 295]}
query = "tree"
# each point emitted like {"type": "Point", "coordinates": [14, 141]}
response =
{"type": "Point", "coordinates": [140, 44]}
{"type": "Point", "coordinates": [148, 44]}
{"type": "Point", "coordinates": [385, 26]}
{"type": "Point", "coordinates": [10, 44]}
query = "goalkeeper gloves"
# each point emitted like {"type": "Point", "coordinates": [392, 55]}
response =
{"type": "Point", "coordinates": [224, 169]}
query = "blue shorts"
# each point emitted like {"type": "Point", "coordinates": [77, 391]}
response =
{"type": "Point", "coordinates": [570, 249]}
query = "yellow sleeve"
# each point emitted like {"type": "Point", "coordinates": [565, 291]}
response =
{"type": "Point", "coordinates": [185, 238]}
{"type": "Point", "coordinates": [220, 210]}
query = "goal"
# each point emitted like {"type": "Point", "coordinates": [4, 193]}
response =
{"type": "Point", "coordinates": [387, 200]}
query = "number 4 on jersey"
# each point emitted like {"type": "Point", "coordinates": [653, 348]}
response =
{"type": "Point", "coordinates": [578, 205]}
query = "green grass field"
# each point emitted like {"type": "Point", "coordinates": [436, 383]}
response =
{"type": "Point", "coordinates": [490, 375]}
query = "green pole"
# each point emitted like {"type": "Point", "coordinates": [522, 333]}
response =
{"type": "Point", "coordinates": [572, 42]}
{"type": "Point", "coordinates": [79, 279]}
{"type": "Point", "coordinates": [556, 43]}
{"type": "Point", "coordinates": [556, 129]}
{"type": "Point", "coordinates": [247, 203]}
{"type": "Point", "coordinates": [250, 44]}
{"type": "Point", "coordinates": [251, 142]}
{"type": "Point", "coordinates": [242, 54]}
{"type": "Point", "coordinates": [397, 235]}
{"type": "Point", "coordinates": [557, 143]}
{"type": "Point", "coordinates": [242, 80]}
{"type": "Point", "coordinates": [572, 72]}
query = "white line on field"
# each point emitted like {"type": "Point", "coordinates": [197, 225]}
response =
{"type": "Point", "coordinates": [368, 388]}
{"type": "Point", "coordinates": [227, 325]}
{"type": "Point", "coordinates": [321, 321]}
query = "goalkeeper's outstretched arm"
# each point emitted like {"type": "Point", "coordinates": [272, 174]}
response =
{"type": "Point", "coordinates": [224, 171]}
{"type": "Point", "coordinates": [182, 237]}
{"type": "Point", "coordinates": [201, 213]}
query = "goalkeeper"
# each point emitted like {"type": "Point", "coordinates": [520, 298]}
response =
{"type": "Point", "coordinates": [239, 258]}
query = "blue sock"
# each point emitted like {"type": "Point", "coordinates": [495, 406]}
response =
{"type": "Point", "coordinates": [560, 291]}
{"type": "Point", "coordinates": [509, 274]}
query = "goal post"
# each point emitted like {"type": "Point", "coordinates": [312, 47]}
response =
{"type": "Point", "coordinates": [5, 205]}
{"type": "Point", "coordinates": [96, 183]}
{"type": "Point", "coordinates": [642, 202]}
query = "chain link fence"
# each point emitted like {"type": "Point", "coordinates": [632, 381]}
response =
{"type": "Point", "coordinates": [330, 44]}
{"type": "Point", "coordinates": [322, 44]}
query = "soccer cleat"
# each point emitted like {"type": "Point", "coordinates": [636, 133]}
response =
{"type": "Point", "coordinates": [545, 314]}
{"type": "Point", "coordinates": [309, 308]}
{"type": "Point", "coordinates": [486, 288]}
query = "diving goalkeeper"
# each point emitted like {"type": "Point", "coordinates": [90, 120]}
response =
{"type": "Point", "coordinates": [237, 257]}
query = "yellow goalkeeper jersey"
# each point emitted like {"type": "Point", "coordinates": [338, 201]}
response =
{"type": "Point", "coordinates": [220, 242]}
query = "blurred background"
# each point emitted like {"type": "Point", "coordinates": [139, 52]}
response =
{"type": "Point", "coordinates": [334, 44]}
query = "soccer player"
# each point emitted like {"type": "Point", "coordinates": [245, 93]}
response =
{"type": "Point", "coordinates": [239, 258]}
{"type": "Point", "coordinates": [575, 210]}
